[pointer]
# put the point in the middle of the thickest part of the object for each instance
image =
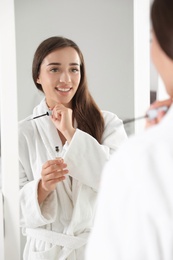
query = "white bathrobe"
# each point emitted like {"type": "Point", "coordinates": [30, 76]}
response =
{"type": "Point", "coordinates": [134, 219]}
{"type": "Point", "coordinates": [59, 228]}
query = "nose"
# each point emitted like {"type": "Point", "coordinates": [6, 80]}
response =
{"type": "Point", "coordinates": [65, 77]}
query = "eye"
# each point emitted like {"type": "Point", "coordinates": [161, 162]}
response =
{"type": "Point", "coordinates": [54, 69]}
{"type": "Point", "coordinates": [75, 70]}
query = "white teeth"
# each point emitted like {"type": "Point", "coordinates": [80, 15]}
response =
{"type": "Point", "coordinates": [64, 89]}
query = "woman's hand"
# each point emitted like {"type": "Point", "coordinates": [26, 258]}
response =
{"type": "Point", "coordinates": [53, 171]}
{"type": "Point", "coordinates": [160, 113]}
{"type": "Point", "coordinates": [62, 119]}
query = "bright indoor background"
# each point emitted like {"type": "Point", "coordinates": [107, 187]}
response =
{"type": "Point", "coordinates": [114, 36]}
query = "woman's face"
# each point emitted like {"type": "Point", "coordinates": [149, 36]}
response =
{"type": "Point", "coordinates": [163, 64]}
{"type": "Point", "coordinates": [60, 76]}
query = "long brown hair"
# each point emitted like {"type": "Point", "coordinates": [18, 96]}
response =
{"type": "Point", "coordinates": [162, 21]}
{"type": "Point", "coordinates": [85, 110]}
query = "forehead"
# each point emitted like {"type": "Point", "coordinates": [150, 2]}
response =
{"type": "Point", "coordinates": [65, 55]}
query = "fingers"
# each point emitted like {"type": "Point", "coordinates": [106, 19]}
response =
{"type": "Point", "coordinates": [53, 171]}
{"type": "Point", "coordinates": [58, 110]}
{"type": "Point", "coordinates": [63, 121]}
{"type": "Point", "coordinates": [50, 185]}
{"type": "Point", "coordinates": [55, 175]}
{"type": "Point", "coordinates": [53, 164]}
{"type": "Point", "coordinates": [53, 168]}
{"type": "Point", "coordinates": [157, 111]}
{"type": "Point", "coordinates": [157, 104]}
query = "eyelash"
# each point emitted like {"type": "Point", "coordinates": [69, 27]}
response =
{"type": "Point", "coordinates": [54, 69]}
{"type": "Point", "coordinates": [72, 69]}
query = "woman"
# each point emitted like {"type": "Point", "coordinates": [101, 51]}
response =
{"type": "Point", "coordinates": [135, 208]}
{"type": "Point", "coordinates": [58, 191]}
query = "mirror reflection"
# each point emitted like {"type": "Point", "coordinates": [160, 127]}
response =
{"type": "Point", "coordinates": [99, 28]}
{"type": "Point", "coordinates": [104, 32]}
{"type": "Point", "coordinates": [62, 154]}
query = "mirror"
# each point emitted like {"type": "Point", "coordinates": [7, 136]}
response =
{"type": "Point", "coordinates": [104, 31]}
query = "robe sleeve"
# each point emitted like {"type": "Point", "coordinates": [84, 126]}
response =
{"type": "Point", "coordinates": [85, 157]}
{"type": "Point", "coordinates": [134, 209]}
{"type": "Point", "coordinates": [32, 214]}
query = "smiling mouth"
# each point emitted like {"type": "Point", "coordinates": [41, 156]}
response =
{"type": "Point", "coordinates": [63, 89]}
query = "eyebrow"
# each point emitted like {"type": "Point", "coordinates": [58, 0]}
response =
{"type": "Point", "coordinates": [57, 63]}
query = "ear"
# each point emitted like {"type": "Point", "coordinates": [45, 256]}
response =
{"type": "Point", "coordinates": [38, 80]}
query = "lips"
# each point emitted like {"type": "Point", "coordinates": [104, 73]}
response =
{"type": "Point", "coordinates": [61, 89]}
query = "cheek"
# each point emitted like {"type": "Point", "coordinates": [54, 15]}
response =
{"type": "Point", "coordinates": [157, 57]}
{"type": "Point", "coordinates": [77, 80]}
{"type": "Point", "coordinates": [45, 80]}
{"type": "Point", "coordinates": [154, 55]}
{"type": "Point", "coordinates": [168, 79]}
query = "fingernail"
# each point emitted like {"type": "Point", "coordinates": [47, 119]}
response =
{"type": "Point", "coordinates": [60, 160]}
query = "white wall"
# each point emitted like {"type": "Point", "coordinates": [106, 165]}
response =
{"type": "Point", "coordinates": [103, 29]}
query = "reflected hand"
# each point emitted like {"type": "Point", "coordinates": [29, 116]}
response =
{"type": "Point", "coordinates": [160, 113]}
{"type": "Point", "coordinates": [53, 171]}
{"type": "Point", "coordinates": [62, 119]}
